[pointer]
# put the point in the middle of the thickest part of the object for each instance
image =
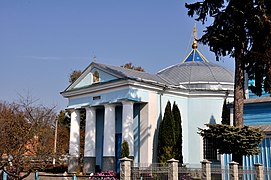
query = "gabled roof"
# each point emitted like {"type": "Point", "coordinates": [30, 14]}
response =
{"type": "Point", "coordinates": [129, 73]}
{"type": "Point", "coordinates": [119, 73]}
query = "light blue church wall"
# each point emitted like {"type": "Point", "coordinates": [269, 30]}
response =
{"type": "Point", "coordinates": [195, 112]}
{"type": "Point", "coordinates": [202, 110]}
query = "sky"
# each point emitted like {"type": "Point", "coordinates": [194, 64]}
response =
{"type": "Point", "coordinates": [43, 41]}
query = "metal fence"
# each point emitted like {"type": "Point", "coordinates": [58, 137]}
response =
{"type": "Point", "coordinates": [187, 172]}
{"type": "Point", "coordinates": [150, 171]}
{"type": "Point", "coordinates": [267, 173]}
{"type": "Point", "coordinates": [157, 171]}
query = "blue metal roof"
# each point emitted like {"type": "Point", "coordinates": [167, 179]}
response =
{"type": "Point", "coordinates": [195, 56]}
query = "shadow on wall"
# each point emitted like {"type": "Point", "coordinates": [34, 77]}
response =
{"type": "Point", "coordinates": [144, 126]}
{"type": "Point", "coordinates": [155, 139]}
{"type": "Point", "coordinates": [212, 120]}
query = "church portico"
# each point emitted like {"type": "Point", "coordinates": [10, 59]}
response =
{"type": "Point", "coordinates": [106, 127]}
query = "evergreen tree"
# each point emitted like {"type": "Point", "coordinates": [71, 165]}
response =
{"type": "Point", "coordinates": [178, 133]}
{"type": "Point", "coordinates": [166, 136]}
{"type": "Point", "coordinates": [243, 31]}
{"type": "Point", "coordinates": [124, 152]}
{"type": "Point", "coordinates": [225, 114]}
{"type": "Point", "coordinates": [233, 140]}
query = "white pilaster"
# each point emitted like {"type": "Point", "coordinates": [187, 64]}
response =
{"type": "Point", "coordinates": [74, 149]}
{"type": "Point", "coordinates": [109, 130]}
{"type": "Point", "coordinates": [231, 117]}
{"type": "Point", "coordinates": [246, 84]}
{"type": "Point", "coordinates": [90, 134]}
{"type": "Point", "coordinates": [127, 125]}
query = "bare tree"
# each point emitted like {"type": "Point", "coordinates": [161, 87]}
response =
{"type": "Point", "coordinates": [27, 137]}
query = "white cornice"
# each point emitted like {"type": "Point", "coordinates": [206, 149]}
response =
{"type": "Point", "coordinates": [159, 88]}
{"type": "Point", "coordinates": [95, 88]}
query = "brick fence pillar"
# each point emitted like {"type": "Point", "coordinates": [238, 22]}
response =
{"type": "Point", "coordinates": [125, 169]}
{"type": "Point", "coordinates": [233, 170]}
{"type": "Point", "coordinates": [172, 169]}
{"type": "Point", "coordinates": [258, 171]}
{"type": "Point", "coordinates": [206, 170]}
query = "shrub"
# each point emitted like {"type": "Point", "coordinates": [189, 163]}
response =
{"type": "Point", "coordinates": [124, 149]}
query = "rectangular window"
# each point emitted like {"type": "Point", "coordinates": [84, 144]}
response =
{"type": "Point", "coordinates": [209, 152]}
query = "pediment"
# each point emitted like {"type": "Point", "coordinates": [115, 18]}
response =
{"type": "Point", "coordinates": [94, 74]}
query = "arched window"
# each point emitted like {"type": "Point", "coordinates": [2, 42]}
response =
{"type": "Point", "coordinates": [96, 77]}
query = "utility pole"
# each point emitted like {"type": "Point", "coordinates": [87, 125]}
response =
{"type": "Point", "coordinates": [54, 159]}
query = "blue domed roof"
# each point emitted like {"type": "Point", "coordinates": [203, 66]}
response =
{"type": "Point", "coordinates": [195, 72]}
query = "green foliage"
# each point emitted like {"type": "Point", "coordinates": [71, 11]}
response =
{"type": "Point", "coordinates": [57, 168]}
{"type": "Point", "coordinates": [166, 136]}
{"type": "Point", "coordinates": [225, 114]}
{"type": "Point", "coordinates": [74, 75]}
{"type": "Point", "coordinates": [124, 152]}
{"type": "Point", "coordinates": [178, 133]}
{"type": "Point", "coordinates": [170, 135]}
{"type": "Point", "coordinates": [131, 66]}
{"type": "Point", "coordinates": [233, 140]}
{"type": "Point", "coordinates": [63, 119]}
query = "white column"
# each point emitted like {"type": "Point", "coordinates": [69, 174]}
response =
{"type": "Point", "coordinates": [127, 125]}
{"type": "Point", "coordinates": [109, 130]}
{"type": "Point", "coordinates": [231, 117]}
{"type": "Point", "coordinates": [74, 149]}
{"type": "Point", "coordinates": [246, 84]}
{"type": "Point", "coordinates": [90, 134]}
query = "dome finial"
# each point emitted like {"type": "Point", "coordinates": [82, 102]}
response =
{"type": "Point", "coordinates": [195, 45]}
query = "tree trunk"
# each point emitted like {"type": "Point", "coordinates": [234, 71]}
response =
{"type": "Point", "coordinates": [237, 158]}
{"type": "Point", "coordinates": [239, 90]}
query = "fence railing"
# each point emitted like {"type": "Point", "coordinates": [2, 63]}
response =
{"type": "Point", "coordinates": [149, 171]}
{"type": "Point", "coordinates": [206, 171]}
{"type": "Point", "coordinates": [171, 171]}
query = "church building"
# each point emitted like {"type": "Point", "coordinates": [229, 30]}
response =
{"type": "Point", "coordinates": [124, 104]}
